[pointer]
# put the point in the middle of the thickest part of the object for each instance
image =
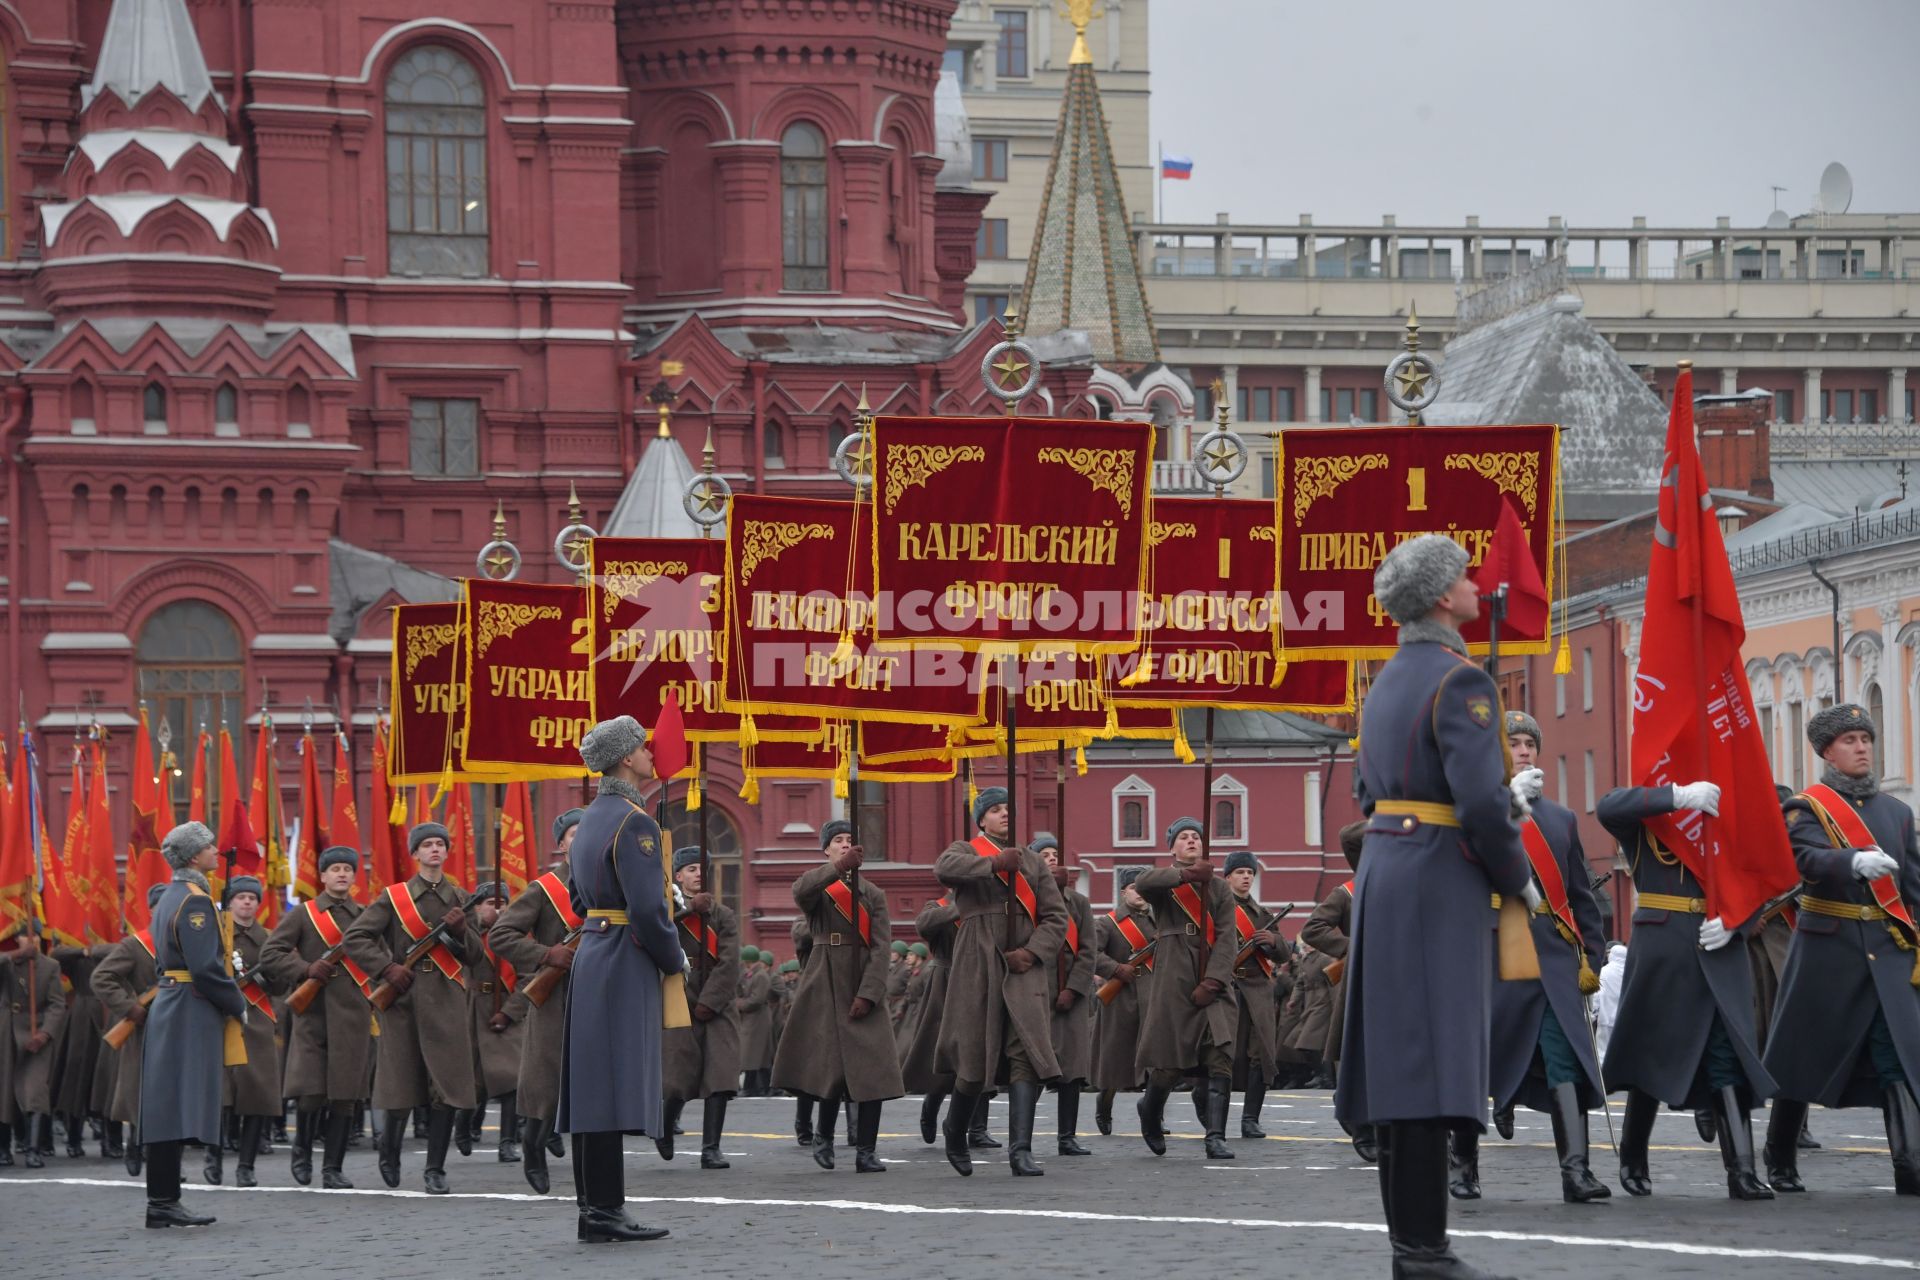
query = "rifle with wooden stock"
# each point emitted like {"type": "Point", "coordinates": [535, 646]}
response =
{"type": "Point", "coordinates": [384, 994]}
{"type": "Point", "coordinates": [540, 989]}
{"type": "Point", "coordinates": [1247, 952]}
{"type": "Point", "coordinates": [120, 1032]}
{"type": "Point", "coordinates": [305, 994]}
{"type": "Point", "coordinates": [1113, 986]}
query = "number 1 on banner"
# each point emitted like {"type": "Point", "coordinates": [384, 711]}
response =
{"type": "Point", "coordinates": [1416, 488]}
{"type": "Point", "coordinates": [1226, 558]}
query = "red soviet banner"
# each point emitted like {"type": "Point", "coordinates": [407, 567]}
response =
{"type": "Point", "coordinates": [1005, 531]}
{"type": "Point", "coordinates": [429, 693]}
{"type": "Point", "coordinates": [1347, 497]}
{"type": "Point", "coordinates": [799, 622]}
{"type": "Point", "coordinates": [527, 699]}
{"type": "Point", "coordinates": [1211, 607]}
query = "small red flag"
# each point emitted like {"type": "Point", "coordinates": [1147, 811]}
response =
{"type": "Point", "coordinates": [516, 822]}
{"type": "Point", "coordinates": [668, 741]}
{"type": "Point", "coordinates": [16, 852]}
{"type": "Point", "coordinates": [1509, 561]}
{"type": "Point", "coordinates": [236, 827]}
{"type": "Point", "coordinates": [459, 825]}
{"type": "Point", "coordinates": [104, 922]}
{"type": "Point", "coordinates": [380, 858]}
{"type": "Point", "coordinates": [313, 820]}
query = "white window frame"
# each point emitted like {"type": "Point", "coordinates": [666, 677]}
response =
{"type": "Point", "coordinates": [1134, 787]}
{"type": "Point", "coordinates": [1227, 787]}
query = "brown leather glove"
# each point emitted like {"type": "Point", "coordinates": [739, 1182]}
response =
{"type": "Point", "coordinates": [861, 1008]}
{"type": "Point", "coordinates": [455, 919]}
{"type": "Point", "coordinates": [138, 1015]}
{"type": "Point", "coordinates": [558, 957]}
{"type": "Point", "coordinates": [1203, 995]}
{"type": "Point", "coordinates": [1265, 938]}
{"type": "Point", "coordinates": [1199, 873]}
{"type": "Point", "coordinates": [701, 902]}
{"type": "Point", "coordinates": [1020, 960]}
{"type": "Point", "coordinates": [1064, 1001]}
{"type": "Point", "coordinates": [701, 1013]}
{"type": "Point", "coordinates": [1006, 860]}
{"type": "Point", "coordinates": [398, 976]}
{"type": "Point", "coordinates": [1125, 972]}
{"type": "Point", "coordinates": [850, 860]}
{"type": "Point", "coordinates": [499, 1021]}
{"type": "Point", "coordinates": [321, 970]}
{"type": "Point", "coordinates": [38, 1041]}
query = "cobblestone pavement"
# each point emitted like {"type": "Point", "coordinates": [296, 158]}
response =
{"type": "Point", "coordinates": [1299, 1202]}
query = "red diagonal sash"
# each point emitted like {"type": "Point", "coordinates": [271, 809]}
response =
{"type": "Point", "coordinates": [145, 938]}
{"type": "Point", "coordinates": [1136, 936]}
{"type": "Point", "coordinates": [257, 998]}
{"type": "Point", "coordinates": [1022, 891]}
{"type": "Point", "coordinates": [1845, 819]}
{"type": "Point", "coordinates": [508, 978]}
{"type": "Point", "coordinates": [1348, 886]}
{"type": "Point", "coordinates": [417, 928]}
{"type": "Point", "coordinates": [1073, 935]}
{"type": "Point", "coordinates": [841, 894]}
{"type": "Point", "coordinates": [1196, 908]}
{"type": "Point", "coordinates": [702, 933]}
{"type": "Point", "coordinates": [330, 933]}
{"type": "Point", "coordinates": [556, 891]}
{"type": "Point", "coordinates": [1243, 925]}
{"type": "Point", "coordinates": [1546, 868]}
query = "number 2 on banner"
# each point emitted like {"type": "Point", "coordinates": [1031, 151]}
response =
{"type": "Point", "coordinates": [581, 646]}
{"type": "Point", "coordinates": [1416, 488]}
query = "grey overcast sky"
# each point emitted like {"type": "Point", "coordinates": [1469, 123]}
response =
{"type": "Point", "coordinates": [1682, 110]}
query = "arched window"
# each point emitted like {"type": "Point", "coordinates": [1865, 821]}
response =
{"type": "Point", "coordinates": [1133, 812]}
{"type": "Point", "coordinates": [153, 409]}
{"type": "Point", "coordinates": [723, 846]}
{"type": "Point", "coordinates": [1133, 819]}
{"type": "Point", "coordinates": [774, 447]}
{"type": "Point", "coordinates": [803, 207]}
{"type": "Point", "coordinates": [436, 165]}
{"type": "Point", "coordinates": [226, 411]}
{"type": "Point", "coordinates": [191, 675]}
{"type": "Point", "coordinates": [1226, 820]}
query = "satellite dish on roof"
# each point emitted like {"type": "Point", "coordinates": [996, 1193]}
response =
{"type": "Point", "coordinates": [1836, 189]}
{"type": "Point", "coordinates": [1778, 220]}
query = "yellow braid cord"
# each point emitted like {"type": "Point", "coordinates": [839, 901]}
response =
{"type": "Point", "coordinates": [694, 798]}
{"type": "Point", "coordinates": [1563, 660]}
{"type": "Point", "coordinates": [1279, 673]}
{"type": "Point", "coordinates": [749, 733]}
{"type": "Point", "coordinates": [1141, 673]}
{"type": "Point", "coordinates": [397, 815]}
{"type": "Point", "coordinates": [1182, 749]}
{"type": "Point", "coordinates": [750, 789]}
{"type": "Point", "coordinates": [843, 651]}
{"type": "Point", "coordinates": [973, 795]}
{"type": "Point", "coordinates": [1079, 762]}
{"type": "Point", "coordinates": [1113, 721]}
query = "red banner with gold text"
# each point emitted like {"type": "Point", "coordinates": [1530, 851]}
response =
{"type": "Point", "coordinates": [527, 700]}
{"type": "Point", "coordinates": [429, 693]}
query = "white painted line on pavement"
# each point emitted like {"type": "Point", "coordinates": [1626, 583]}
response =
{"type": "Point", "coordinates": [1061, 1215]}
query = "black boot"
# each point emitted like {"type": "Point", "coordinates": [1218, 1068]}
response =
{"type": "Point", "coordinates": [392, 1135]}
{"type": "Point", "coordinates": [1807, 1141]}
{"type": "Point", "coordinates": [1783, 1146]}
{"type": "Point", "coordinates": [601, 1178]}
{"type": "Point", "coordinates": [1152, 1109]}
{"type": "Point", "coordinates": [1200, 1088]}
{"type": "Point", "coordinates": [1635, 1179]}
{"type": "Point", "coordinates": [977, 1136]}
{"type": "Point", "coordinates": [1219, 1097]}
{"type": "Point", "coordinates": [250, 1127]}
{"type": "Point", "coordinates": [420, 1122]}
{"type": "Point", "coordinates": [669, 1125]}
{"type": "Point", "coordinates": [1503, 1123]}
{"type": "Point", "coordinates": [76, 1137]}
{"type": "Point", "coordinates": [1463, 1161]}
{"type": "Point", "coordinates": [959, 1120]}
{"type": "Point", "coordinates": [1103, 1113]}
{"type": "Point", "coordinates": [1366, 1144]}
{"type": "Point", "coordinates": [930, 1115]}
{"type": "Point", "coordinates": [823, 1132]}
{"type": "Point", "coordinates": [1703, 1124]}
{"type": "Point", "coordinates": [1577, 1183]}
{"type": "Point", "coordinates": [30, 1125]}
{"type": "Point", "coordinates": [713, 1121]}
{"type": "Point", "coordinates": [333, 1150]}
{"type": "Point", "coordinates": [44, 1131]}
{"type": "Point", "coordinates": [136, 1153]}
{"type": "Point", "coordinates": [1415, 1161]}
{"type": "Point", "coordinates": [1067, 1107]}
{"type": "Point", "coordinates": [163, 1189]}
{"type": "Point", "coordinates": [439, 1137]}
{"type": "Point", "coordinates": [303, 1122]}
{"type": "Point", "coordinates": [6, 1145]}
{"type": "Point", "coordinates": [1023, 1096]}
{"type": "Point", "coordinates": [509, 1152]}
{"type": "Point", "coordinates": [463, 1127]}
{"type": "Point", "coordinates": [533, 1156]}
{"type": "Point", "coordinates": [1250, 1106]}
{"type": "Point", "coordinates": [866, 1136]}
{"type": "Point", "coordinates": [213, 1167]}
{"type": "Point", "coordinates": [113, 1146]}
{"type": "Point", "coordinates": [803, 1121]}
{"type": "Point", "coordinates": [1735, 1127]}
{"type": "Point", "coordinates": [556, 1145]}
{"type": "Point", "coordinates": [1903, 1140]}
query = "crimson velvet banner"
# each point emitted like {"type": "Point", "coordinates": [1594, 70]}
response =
{"type": "Point", "coordinates": [527, 666]}
{"type": "Point", "coordinates": [429, 693]}
{"type": "Point", "coordinates": [1346, 497]}
{"type": "Point", "coordinates": [1210, 610]}
{"type": "Point", "coordinates": [799, 624]}
{"type": "Point", "coordinates": [1010, 531]}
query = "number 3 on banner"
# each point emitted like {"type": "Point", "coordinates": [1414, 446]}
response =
{"type": "Point", "coordinates": [1416, 488]}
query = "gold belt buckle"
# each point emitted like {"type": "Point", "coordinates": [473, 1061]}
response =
{"type": "Point", "coordinates": [426, 966]}
{"type": "Point", "coordinates": [1193, 931]}
{"type": "Point", "coordinates": [833, 940]}
{"type": "Point", "coordinates": [1866, 913]}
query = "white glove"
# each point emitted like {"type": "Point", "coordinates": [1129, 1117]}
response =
{"type": "Point", "coordinates": [1530, 896]}
{"type": "Point", "coordinates": [1871, 864]}
{"type": "Point", "coordinates": [1713, 934]}
{"type": "Point", "coordinates": [1527, 785]}
{"type": "Point", "coordinates": [1703, 797]}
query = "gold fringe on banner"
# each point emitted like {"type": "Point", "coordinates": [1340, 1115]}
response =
{"type": "Point", "coordinates": [1182, 749]}
{"type": "Point", "coordinates": [1079, 762]}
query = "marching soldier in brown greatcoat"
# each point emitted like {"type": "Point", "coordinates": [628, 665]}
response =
{"type": "Point", "coordinates": [330, 1045]}
{"type": "Point", "coordinates": [918, 955]}
{"type": "Point", "coordinates": [128, 973]}
{"type": "Point", "coordinates": [898, 974]}
{"type": "Point", "coordinates": [754, 1005]}
{"type": "Point", "coordinates": [1188, 1023]}
{"type": "Point", "coordinates": [1000, 992]}
{"type": "Point", "coordinates": [1256, 1040]}
{"type": "Point", "coordinates": [425, 1050]}
{"type": "Point", "coordinates": [1122, 951]}
{"type": "Point", "coordinates": [1072, 1024]}
{"type": "Point", "coordinates": [703, 1060]}
{"type": "Point", "coordinates": [839, 1048]}
{"type": "Point", "coordinates": [33, 1009]}
{"type": "Point", "coordinates": [920, 1070]}
{"type": "Point", "coordinates": [531, 934]}
{"type": "Point", "coordinates": [499, 1014]}
{"type": "Point", "coordinates": [803, 1105]}
{"type": "Point", "coordinates": [252, 1091]}
{"type": "Point", "coordinates": [80, 1048]}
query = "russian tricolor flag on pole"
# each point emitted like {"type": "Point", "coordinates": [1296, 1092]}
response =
{"type": "Point", "coordinates": [1179, 167]}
